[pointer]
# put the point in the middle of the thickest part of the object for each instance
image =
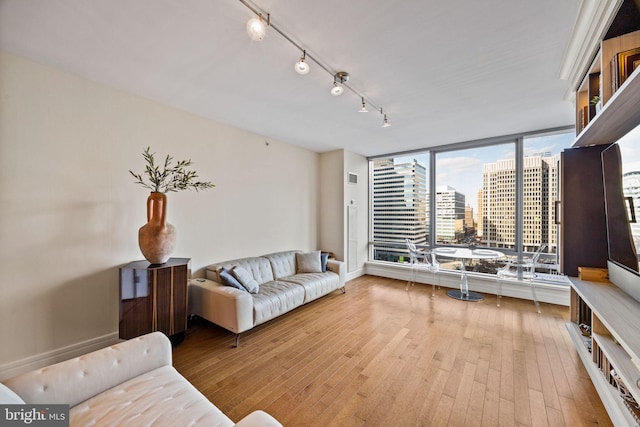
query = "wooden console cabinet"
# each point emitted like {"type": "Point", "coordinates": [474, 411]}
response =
{"type": "Point", "coordinates": [154, 298]}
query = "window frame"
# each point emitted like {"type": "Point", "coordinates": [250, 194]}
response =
{"type": "Point", "coordinates": [516, 139]}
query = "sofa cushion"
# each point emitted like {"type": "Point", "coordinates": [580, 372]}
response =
{"type": "Point", "coordinates": [259, 267]}
{"type": "Point", "coordinates": [283, 264]}
{"type": "Point", "coordinates": [308, 262]}
{"type": "Point", "coordinates": [246, 279]}
{"type": "Point", "coordinates": [161, 397]}
{"type": "Point", "coordinates": [276, 298]}
{"type": "Point", "coordinates": [315, 284]}
{"type": "Point", "coordinates": [79, 379]}
{"type": "Point", "coordinates": [228, 279]}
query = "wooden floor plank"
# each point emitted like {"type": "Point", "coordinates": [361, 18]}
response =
{"type": "Point", "coordinates": [380, 355]}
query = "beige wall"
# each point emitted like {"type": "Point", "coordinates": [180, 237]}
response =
{"type": "Point", "coordinates": [70, 212]}
{"type": "Point", "coordinates": [331, 198]}
{"type": "Point", "coordinates": [336, 195]}
{"type": "Point", "coordinates": [358, 195]}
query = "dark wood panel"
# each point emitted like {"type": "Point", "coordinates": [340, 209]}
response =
{"type": "Point", "coordinates": [180, 298]}
{"type": "Point", "coordinates": [163, 299]}
{"type": "Point", "coordinates": [583, 224]}
{"type": "Point", "coordinates": [136, 303]}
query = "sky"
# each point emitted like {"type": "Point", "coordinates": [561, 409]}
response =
{"type": "Point", "coordinates": [630, 151]}
{"type": "Point", "coordinates": [462, 169]}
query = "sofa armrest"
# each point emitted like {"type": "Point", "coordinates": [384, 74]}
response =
{"type": "Point", "coordinates": [339, 268]}
{"type": "Point", "coordinates": [258, 419]}
{"type": "Point", "coordinates": [225, 306]}
{"type": "Point", "coordinates": [76, 380]}
{"type": "Point", "coordinates": [9, 397]}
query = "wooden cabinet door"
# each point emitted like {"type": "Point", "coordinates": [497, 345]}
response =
{"type": "Point", "coordinates": [583, 226]}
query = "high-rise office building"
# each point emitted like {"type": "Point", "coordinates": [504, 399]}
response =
{"type": "Point", "coordinates": [540, 183]}
{"type": "Point", "coordinates": [469, 226]}
{"type": "Point", "coordinates": [450, 206]}
{"type": "Point", "coordinates": [399, 207]}
{"type": "Point", "coordinates": [479, 211]}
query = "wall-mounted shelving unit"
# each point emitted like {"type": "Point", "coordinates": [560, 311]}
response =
{"type": "Point", "coordinates": [614, 318]}
{"type": "Point", "coordinates": [610, 337]}
{"type": "Point", "coordinates": [617, 107]}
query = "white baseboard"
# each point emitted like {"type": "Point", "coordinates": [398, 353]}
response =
{"type": "Point", "coordinates": [545, 292]}
{"type": "Point", "coordinates": [355, 274]}
{"type": "Point", "coordinates": [41, 360]}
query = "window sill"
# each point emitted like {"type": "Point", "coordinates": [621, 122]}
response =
{"type": "Point", "coordinates": [553, 293]}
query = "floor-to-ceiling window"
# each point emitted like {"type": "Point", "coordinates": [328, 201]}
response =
{"type": "Point", "coordinates": [498, 194]}
{"type": "Point", "coordinates": [541, 183]}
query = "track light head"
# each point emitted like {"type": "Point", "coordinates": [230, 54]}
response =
{"type": "Point", "coordinates": [341, 77]}
{"type": "Point", "coordinates": [256, 28]}
{"type": "Point", "coordinates": [301, 66]}
{"type": "Point", "coordinates": [386, 123]}
{"type": "Point", "coordinates": [337, 89]}
{"type": "Point", "coordinates": [364, 107]}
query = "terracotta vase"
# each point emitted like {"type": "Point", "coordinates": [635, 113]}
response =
{"type": "Point", "coordinates": [157, 237]}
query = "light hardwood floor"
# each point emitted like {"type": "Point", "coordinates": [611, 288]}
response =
{"type": "Point", "coordinates": [381, 356]}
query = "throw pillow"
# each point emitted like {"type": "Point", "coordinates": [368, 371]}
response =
{"type": "Point", "coordinates": [246, 279]}
{"type": "Point", "coordinates": [324, 257]}
{"type": "Point", "coordinates": [228, 279]}
{"type": "Point", "coordinates": [308, 262]}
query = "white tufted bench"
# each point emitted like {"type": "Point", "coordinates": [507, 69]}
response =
{"type": "Point", "coordinates": [129, 384]}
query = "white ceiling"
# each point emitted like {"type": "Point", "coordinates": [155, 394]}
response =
{"type": "Point", "coordinates": [444, 71]}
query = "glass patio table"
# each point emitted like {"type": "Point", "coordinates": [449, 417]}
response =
{"type": "Point", "coordinates": [463, 254]}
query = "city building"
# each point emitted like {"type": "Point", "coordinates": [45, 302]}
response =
{"type": "Point", "coordinates": [479, 219]}
{"type": "Point", "coordinates": [450, 206]}
{"type": "Point", "coordinates": [399, 207]}
{"type": "Point", "coordinates": [469, 223]}
{"type": "Point", "coordinates": [498, 201]}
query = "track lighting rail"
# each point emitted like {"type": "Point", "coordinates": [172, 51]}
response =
{"type": "Point", "coordinates": [309, 56]}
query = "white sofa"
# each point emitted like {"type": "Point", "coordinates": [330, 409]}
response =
{"type": "Point", "coordinates": [129, 384]}
{"type": "Point", "coordinates": [281, 289]}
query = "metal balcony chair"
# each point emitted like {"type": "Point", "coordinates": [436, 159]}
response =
{"type": "Point", "coordinates": [528, 267]}
{"type": "Point", "coordinates": [429, 263]}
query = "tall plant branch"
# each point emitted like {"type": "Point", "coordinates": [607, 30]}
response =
{"type": "Point", "coordinates": [170, 177]}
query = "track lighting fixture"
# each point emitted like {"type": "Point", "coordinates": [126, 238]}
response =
{"type": "Point", "coordinates": [364, 107]}
{"type": "Point", "coordinates": [301, 66]}
{"type": "Point", "coordinates": [337, 89]}
{"type": "Point", "coordinates": [338, 80]}
{"type": "Point", "coordinates": [385, 123]}
{"type": "Point", "coordinates": [256, 28]}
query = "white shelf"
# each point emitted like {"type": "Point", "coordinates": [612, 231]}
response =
{"type": "Point", "coordinates": [613, 403]}
{"type": "Point", "coordinates": [617, 311]}
{"type": "Point", "coordinates": [618, 116]}
{"type": "Point", "coordinates": [623, 364]}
